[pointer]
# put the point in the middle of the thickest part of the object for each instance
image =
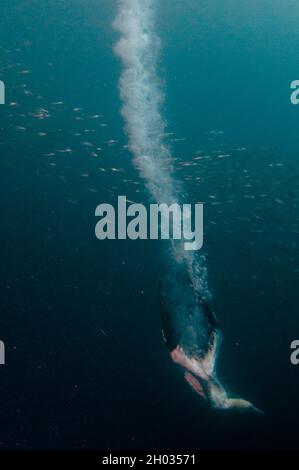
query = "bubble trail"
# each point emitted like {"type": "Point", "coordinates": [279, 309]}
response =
{"type": "Point", "coordinates": [142, 97]}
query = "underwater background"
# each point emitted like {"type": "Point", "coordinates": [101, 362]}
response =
{"type": "Point", "coordinates": [86, 367]}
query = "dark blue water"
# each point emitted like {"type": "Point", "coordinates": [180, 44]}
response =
{"type": "Point", "coordinates": [86, 366]}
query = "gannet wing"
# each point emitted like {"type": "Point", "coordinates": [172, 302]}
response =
{"type": "Point", "coordinates": [170, 334]}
